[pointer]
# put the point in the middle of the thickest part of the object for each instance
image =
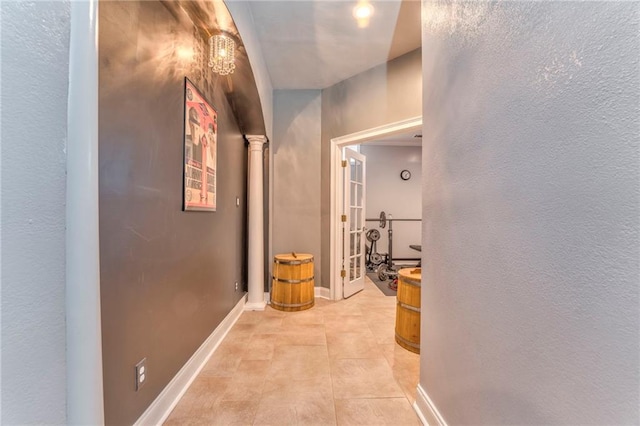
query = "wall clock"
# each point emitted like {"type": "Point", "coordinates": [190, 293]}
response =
{"type": "Point", "coordinates": [405, 175]}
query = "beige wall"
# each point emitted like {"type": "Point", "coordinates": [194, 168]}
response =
{"type": "Point", "coordinates": [296, 164]}
{"type": "Point", "coordinates": [385, 94]}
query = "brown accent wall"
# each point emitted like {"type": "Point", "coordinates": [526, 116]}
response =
{"type": "Point", "coordinates": [167, 276]}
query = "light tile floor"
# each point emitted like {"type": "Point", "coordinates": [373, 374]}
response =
{"type": "Point", "coordinates": [334, 364]}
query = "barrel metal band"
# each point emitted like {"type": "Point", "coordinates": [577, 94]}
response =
{"type": "Point", "coordinates": [409, 307]}
{"type": "Point", "coordinates": [282, 280]}
{"type": "Point", "coordinates": [293, 262]}
{"type": "Point", "coordinates": [408, 343]}
{"type": "Point", "coordinates": [291, 305]}
{"type": "Point", "coordinates": [415, 283]}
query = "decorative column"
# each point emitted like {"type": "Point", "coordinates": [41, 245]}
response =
{"type": "Point", "coordinates": [256, 224]}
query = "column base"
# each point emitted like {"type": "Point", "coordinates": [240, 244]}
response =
{"type": "Point", "coordinates": [255, 306]}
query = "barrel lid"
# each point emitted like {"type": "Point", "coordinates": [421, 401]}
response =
{"type": "Point", "coordinates": [411, 273]}
{"type": "Point", "coordinates": [294, 256]}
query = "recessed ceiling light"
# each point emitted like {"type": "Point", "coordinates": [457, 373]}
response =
{"type": "Point", "coordinates": [363, 10]}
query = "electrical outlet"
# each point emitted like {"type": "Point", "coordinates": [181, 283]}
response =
{"type": "Point", "coordinates": [236, 285]}
{"type": "Point", "coordinates": [141, 373]}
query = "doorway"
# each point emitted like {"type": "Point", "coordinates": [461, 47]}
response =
{"type": "Point", "coordinates": [337, 250]}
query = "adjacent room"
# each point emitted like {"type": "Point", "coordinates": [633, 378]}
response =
{"type": "Point", "coordinates": [393, 224]}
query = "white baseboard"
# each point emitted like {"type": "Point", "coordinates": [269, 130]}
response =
{"type": "Point", "coordinates": [323, 292]}
{"type": "Point", "coordinates": [258, 306]}
{"type": "Point", "coordinates": [162, 406]}
{"type": "Point", "coordinates": [426, 409]}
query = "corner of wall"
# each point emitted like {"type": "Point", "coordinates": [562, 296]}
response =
{"type": "Point", "coordinates": [426, 409]}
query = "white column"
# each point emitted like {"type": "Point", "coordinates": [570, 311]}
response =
{"type": "Point", "coordinates": [256, 224]}
{"type": "Point", "coordinates": [84, 338]}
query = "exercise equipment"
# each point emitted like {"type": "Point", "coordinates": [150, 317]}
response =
{"type": "Point", "coordinates": [372, 257]}
{"type": "Point", "coordinates": [383, 263]}
{"type": "Point", "coordinates": [383, 219]}
{"type": "Point", "coordinates": [386, 270]}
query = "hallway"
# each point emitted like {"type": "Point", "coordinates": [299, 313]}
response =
{"type": "Point", "coordinates": [336, 363]}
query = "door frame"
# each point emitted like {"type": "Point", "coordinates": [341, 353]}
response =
{"type": "Point", "coordinates": [403, 126]}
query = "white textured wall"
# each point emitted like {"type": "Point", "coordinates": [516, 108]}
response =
{"type": "Point", "coordinates": [387, 192]}
{"type": "Point", "coordinates": [296, 165]}
{"type": "Point", "coordinates": [35, 73]}
{"type": "Point", "coordinates": [531, 212]}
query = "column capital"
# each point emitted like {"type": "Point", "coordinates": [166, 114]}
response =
{"type": "Point", "coordinates": [256, 141]}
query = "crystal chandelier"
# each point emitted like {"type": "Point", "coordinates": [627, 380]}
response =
{"type": "Point", "coordinates": [222, 54]}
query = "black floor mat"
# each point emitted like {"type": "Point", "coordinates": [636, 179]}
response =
{"type": "Point", "coordinates": [382, 285]}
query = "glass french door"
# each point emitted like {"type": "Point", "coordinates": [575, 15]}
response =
{"type": "Point", "coordinates": [353, 221]}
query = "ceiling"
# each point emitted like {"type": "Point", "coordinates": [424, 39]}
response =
{"type": "Point", "coordinates": [314, 44]}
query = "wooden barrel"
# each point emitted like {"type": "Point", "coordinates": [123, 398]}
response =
{"type": "Point", "coordinates": [292, 286]}
{"type": "Point", "coordinates": [408, 309]}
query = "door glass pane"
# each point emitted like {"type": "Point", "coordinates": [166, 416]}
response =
{"type": "Point", "coordinates": [357, 171]}
{"type": "Point", "coordinates": [353, 243]}
{"type": "Point", "coordinates": [358, 271]}
{"type": "Point", "coordinates": [353, 189]}
{"type": "Point", "coordinates": [352, 270]}
{"type": "Point", "coordinates": [358, 243]}
{"type": "Point", "coordinates": [354, 170]}
{"type": "Point", "coordinates": [354, 219]}
{"type": "Point", "coordinates": [353, 194]}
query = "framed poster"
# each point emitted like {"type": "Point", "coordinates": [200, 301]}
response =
{"type": "Point", "coordinates": [200, 149]}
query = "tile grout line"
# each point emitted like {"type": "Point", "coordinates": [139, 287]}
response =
{"type": "Point", "coordinates": [335, 311]}
{"type": "Point", "coordinates": [333, 394]}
